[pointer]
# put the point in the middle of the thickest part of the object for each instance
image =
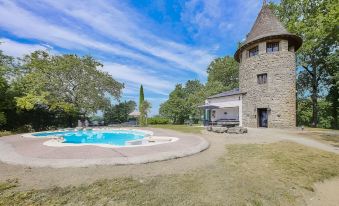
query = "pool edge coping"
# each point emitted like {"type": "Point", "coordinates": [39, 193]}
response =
{"type": "Point", "coordinates": [10, 156]}
{"type": "Point", "coordinates": [53, 140]}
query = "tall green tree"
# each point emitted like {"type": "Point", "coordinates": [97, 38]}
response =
{"type": "Point", "coordinates": [3, 90]}
{"type": "Point", "coordinates": [68, 83]}
{"type": "Point", "coordinates": [183, 102]}
{"type": "Point", "coordinates": [224, 70]}
{"type": "Point", "coordinates": [332, 62]}
{"type": "Point", "coordinates": [195, 96]}
{"type": "Point", "coordinates": [176, 108]}
{"type": "Point", "coordinates": [141, 96]}
{"type": "Point", "coordinates": [119, 112]}
{"type": "Point", "coordinates": [6, 94]}
{"type": "Point", "coordinates": [316, 21]}
{"type": "Point", "coordinates": [304, 111]}
{"type": "Point", "coordinates": [144, 110]}
{"type": "Point", "coordinates": [141, 102]}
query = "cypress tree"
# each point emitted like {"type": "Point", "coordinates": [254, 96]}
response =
{"type": "Point", "coordinates": [141, 102]}
{"type": "Point", "coordinates": [141, 97]}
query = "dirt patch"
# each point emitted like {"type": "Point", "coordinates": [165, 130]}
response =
{"type": "Point", "coordinates": [326, 193]}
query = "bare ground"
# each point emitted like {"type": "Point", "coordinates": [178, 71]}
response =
{"type": "Point", "coordinates": [40, 178]}
{"type": "Point", "coordinates": [45, 177]}
{"type": "Point", "coordinates": [326, 193]}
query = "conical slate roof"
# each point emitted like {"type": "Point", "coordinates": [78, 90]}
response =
{"type": "Point", "coordinates": [267, 26]}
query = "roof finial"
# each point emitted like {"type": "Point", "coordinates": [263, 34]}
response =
{"type": "Point", "coordinates": [264, 3]}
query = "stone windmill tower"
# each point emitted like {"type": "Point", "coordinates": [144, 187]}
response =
{"type": "Point", "coordinates": [267, 73]}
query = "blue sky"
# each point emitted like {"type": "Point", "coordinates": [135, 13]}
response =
{"type": "Point", "coordinates": [157, 43]}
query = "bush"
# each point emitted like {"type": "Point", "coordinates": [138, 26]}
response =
{"type": "Point", "coordinates": [5, 133]}
{"type": "Point", "coordinates": [3, 120]}
{"type": "Point", "coordinates": [25, 128]}
{"type": "Point", "coordinates": [304, 113]}
{"type": "Point", "coordinates": [158, 120]}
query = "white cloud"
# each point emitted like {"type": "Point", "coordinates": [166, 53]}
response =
{"type": "Point", "coordinates": [112, 29]}
{"type": "Point", "coordinates": [122, 25]}
{"type": "Point", "coordinates": [16, 49]}
{"type": "Point", "coordinates": [137, 76]}
{"type": "Point", "coordinates": [221, 20]}
{"type": "Point", "coordinates": [202, 13]}
{"type": "Point", "coordinates": [133, 77]}
{"type": "Point", "coordinates": [25, 24]}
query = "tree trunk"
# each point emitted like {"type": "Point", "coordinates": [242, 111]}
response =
{"type": "Point", "coordinates": [314, 98]}
{"type": "Point", "coordinates": [334, 96]}
{"type": "Point", "coordinates": [314, 92]}
{"type": "Point", "coordinates": [335, 124]}
{"type": "Point", "coordinates": [70, 120]}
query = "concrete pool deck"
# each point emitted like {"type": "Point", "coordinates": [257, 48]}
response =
{"type": "Point", "coordinates": [32, 152]}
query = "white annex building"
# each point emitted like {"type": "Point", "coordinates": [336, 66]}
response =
{"type": "Point", "coordinates": [224, 108]}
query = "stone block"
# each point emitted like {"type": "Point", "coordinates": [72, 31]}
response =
{"type": "Point", "coordinates": [219, 129]}
{"type": "Point", "coordinates": [237, 130]}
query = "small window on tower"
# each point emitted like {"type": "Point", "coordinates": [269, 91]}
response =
{"type": "Point", "coordinates": [254, 51]}
{"type": "Point", "coordinates": [262, 78]}
{"type": "Point", "coordinates": [272, 47]}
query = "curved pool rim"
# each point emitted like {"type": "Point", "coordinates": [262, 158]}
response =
{"type": "Point", "coordinates": [16, 150]}
{"type": "Point", "coordinates": [54, 141]}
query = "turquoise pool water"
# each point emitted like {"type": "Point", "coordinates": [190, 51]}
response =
{"type": "Point", "coordinates": [113, 137]}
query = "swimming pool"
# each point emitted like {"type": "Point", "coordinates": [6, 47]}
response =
{"type": "Point", "coordinates": [112, 137]}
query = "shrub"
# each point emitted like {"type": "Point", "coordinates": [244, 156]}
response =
{"type": "Point", "coordinates": [25, 128]}
{"type": "Point", "coordinates": [5, 133]}
{"type": "Point", "coordinates": [3, 119]}
{"type": "Point", "coordinates": [158, 120]}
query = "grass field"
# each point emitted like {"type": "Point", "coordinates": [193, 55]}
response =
{"type": "Point", "coordinates": [248, 174]}
{"type": "Point", "coordinates": [180, 128]}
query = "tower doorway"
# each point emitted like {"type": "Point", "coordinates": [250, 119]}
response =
{"type": "Point", "coordinates": [262, 118]}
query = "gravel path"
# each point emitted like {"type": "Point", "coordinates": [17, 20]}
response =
{"type": "Point", "coordinates": [293, 135]}
{"type": "Point", "coordinates": [312, 143]}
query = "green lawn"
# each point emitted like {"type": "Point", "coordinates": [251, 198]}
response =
{"type": "Point", "coordinates": [8, 185]}
{"type": "Point", "coordinates": [180, 128]}
{"type": "Point", "coordinates": [253, 174]}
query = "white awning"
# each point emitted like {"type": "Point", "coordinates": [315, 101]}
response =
{"type": "Point", "coordinates": [229, 104]}
{"type": "Point", "coordinates": [208, 106]}
{"type": "Point", "coordinates": [135, 114]}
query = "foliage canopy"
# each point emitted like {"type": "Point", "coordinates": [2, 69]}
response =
{"type": "Point", "coordinates": [65, 82]}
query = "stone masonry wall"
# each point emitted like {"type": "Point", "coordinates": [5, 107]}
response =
{"type": "Point", "coordinates": [278, 94]}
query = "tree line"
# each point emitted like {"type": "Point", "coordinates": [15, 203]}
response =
{"type": "Point", "coordinates": [316, 21]}
{"type": "Point", "coordinates": [42, 91]}
{"type": "Point", "coordinates": [183, 102]}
